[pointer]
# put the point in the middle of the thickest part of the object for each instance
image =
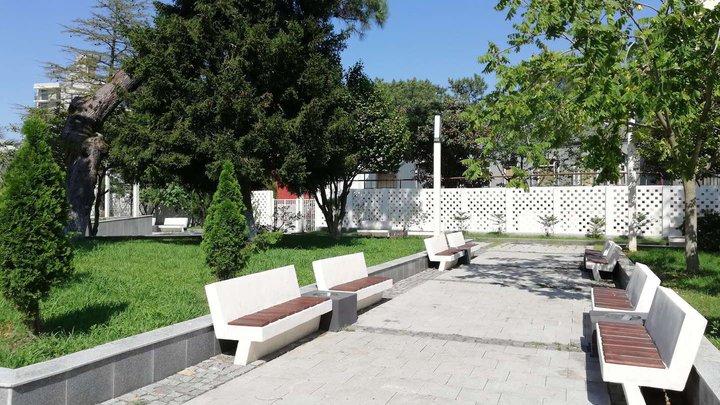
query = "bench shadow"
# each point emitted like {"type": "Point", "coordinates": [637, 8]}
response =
{"type": "Point", "coordinates": [554, 279]}
{"type": "Point", "coordinates": [82, 320]}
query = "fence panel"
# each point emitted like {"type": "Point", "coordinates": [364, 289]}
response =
{"type": "Point", "coordinates": [573, 206]}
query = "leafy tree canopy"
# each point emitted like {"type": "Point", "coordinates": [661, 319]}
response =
{"type": "Point", "coordinates": [351, 130]}
{"type": "Point", "coordinates": [648, 68]}
{"type": "Point", "coordinates": [224, 80]}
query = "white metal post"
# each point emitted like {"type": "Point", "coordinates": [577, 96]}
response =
{"type": "Point", "coordinates": [108, 196]}
{"type": "Point", "coordinates": [632, 180]}
{"type": "Point", "coordinates": [136, 200]}
{"type": "Point", "coordinates": [437, 175]}
{"type": "Point", "coordinates": [300, 207]}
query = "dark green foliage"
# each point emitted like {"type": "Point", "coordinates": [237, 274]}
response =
{"type": "Point", "coordinates": [223, 80]}
{"type": "Point", "coordinates": [419, 101]}
{"type": "Point", "coordinates": [351, 129]}
{"type": "Point", "coordinates": [708, 231]}
{"type": "Point", "coordinates": [226, 232]}
{"type": "Point", "coordinates": [35, 252]}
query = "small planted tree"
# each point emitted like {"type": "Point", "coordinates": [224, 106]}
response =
{"type": "Point", "coordinates": [226, 232]}
{"type": "Point", "coordinates": [548, 222]}
{"type": "Point", "coordinates": [596, 227]}
{"type": "Point", "coordinates": [35, 251]}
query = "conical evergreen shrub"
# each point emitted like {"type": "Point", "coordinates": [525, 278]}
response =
{"type": "Point", "coordinates": [225, 232]}
{"type": "Point", "coordinates": [35, 251]}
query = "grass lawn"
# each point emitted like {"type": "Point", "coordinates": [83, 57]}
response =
{"type": "Point", "coordinates": [122, 288]}
{"type": "Point", "coordinates": [702, 291]}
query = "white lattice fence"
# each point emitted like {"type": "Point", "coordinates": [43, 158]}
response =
{"type": "Point", "coordinates": [486, 206]}
{"type": "Point", "coordinates": [263, 207]}
{"type": "Point", "coordinates": [574, 206]}
{"type": "Point", "coordinates": [527, 207]}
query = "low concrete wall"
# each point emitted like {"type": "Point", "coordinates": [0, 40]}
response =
{"type": "Point", "coordinates": [129, 226]}
{"type": "Point", "coordinates": [703, 386]}
{"type": "Point", "coordinates": [113, 369]}
{"type": "Point", "coordinates": [110, 370]}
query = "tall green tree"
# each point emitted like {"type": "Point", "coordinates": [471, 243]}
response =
{"type": "Point", "coordinates": [530, 112]}
{"type": "Point", "coordinates": [223, 80]}
{"type": "Point", "coordinates": [419, 101]}
{"type": "Point", "coordinates": [351, 130]}
{"type": "Point", "coordinates": [104, 44]}
{"type": "Point", "coordinates": [649, 69]}
{"type": "Point", "coordinates": [35, 252]}
{"type": "Point", "coordinates": [225, 232]}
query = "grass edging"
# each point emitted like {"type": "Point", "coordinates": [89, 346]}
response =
{"type": "Point", "coordinates": [154, 353]}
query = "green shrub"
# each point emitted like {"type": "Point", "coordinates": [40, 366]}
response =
{"type": "Point", "coordinates": [709, 231]}
{"type": "Point", "coordinates": [225, 230]}
{"type": "Point", "coordinates": [35, 251]}
{"type": "Point", "coordinates": [596, 227]}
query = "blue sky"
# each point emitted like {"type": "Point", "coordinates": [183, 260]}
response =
{"type": "Point", "coordinates": [426, 39]}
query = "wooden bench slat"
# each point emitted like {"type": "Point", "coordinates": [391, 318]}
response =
{"type": "Point", "coordinates": [629, 344]}
{"type": "Point", "coordinates": [467, 246]}
{"type": "Point", "coordinates": [276, 312]}
{"type": "Point", "coordinates": [609, 291]}
{"type": "Point", "coordinates": [613, 302]}
{"type": "Point", "coordinates": [447, 252]}
{"type": "Point", "coordinates": [634, 361]}
{"type": "Point", "coordinates": [359, 284]}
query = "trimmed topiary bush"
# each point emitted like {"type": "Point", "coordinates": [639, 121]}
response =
{"type": "Point", "coordinates": [226, 232]}
{"type": "Point", "coordinates": [35, 251]}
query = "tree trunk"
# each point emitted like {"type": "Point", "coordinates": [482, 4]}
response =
{"type": "Point", "coordinates": [86, 147]}
{"type": "Point", "coordinates": [246, 191]}
{"type": "Point", "coordinates": [33, 321]}
{"type": "Point", "coordinates": [692, 260]}
{"type": "Point", "coordinates": [98, 199]}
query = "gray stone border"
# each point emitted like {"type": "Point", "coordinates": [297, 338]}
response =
{"type": "Point", "coordinates": [113, 369]}
{"type": "Point", "coordinates": [703, 386]}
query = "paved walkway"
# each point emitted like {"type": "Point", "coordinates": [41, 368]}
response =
{"type": "Point", "coordinates": [505, 330]}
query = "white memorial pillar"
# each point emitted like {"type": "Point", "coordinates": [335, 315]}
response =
{"type": "Point", "coordinates": [632, 180]}
{"type": "Point", "coordinates": [136, 200]}
{"type": "Point", "coordinates": [107, 196]}
{"type": "Point", "coordinates": [437, 175]}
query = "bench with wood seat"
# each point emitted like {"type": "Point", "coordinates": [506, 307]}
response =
{"type": "Point", "coordinates": [604, 263]}
{"type": "Point", "coordinates": [348, 273]}
{"type": "Point", "coordinates": [635, 298]}
{"type": "Point", "coordinates": [263, 312]}
{"type": "Point", "coordinates": [597, 253]}
{"type": "Point", "coordinates": [456, 240]}
{"type": "Point", "coordinates": [174, 225]}
{"type": "Point", "coordinates": [659, 354]}
{"type": "Point", "coordinates": [438, 251]}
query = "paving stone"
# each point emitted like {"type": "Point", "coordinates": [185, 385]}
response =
{"type": "Point", "coordinates": [506, 329]}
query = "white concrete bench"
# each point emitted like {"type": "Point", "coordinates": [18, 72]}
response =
{"type": "Point", "coordinates": [659, 354]}
{"type": "Point", "coordinates": [438, 251]}
{"type": "Point", "coordinates": [605, 263]}
{"type": "Point", "coordinates": [174, 224]}
{"type": "Point", "coordinates": [635, 298]}
{"type": "Point", "coordinates": [374, 233]}
{"type": "Point", "coordinates": [456, 240]}
{"type": "Point", "coordinates": [675, 238]}
{"type": "Point", "coordinates": [263, 312]}
{"type": "Point", "coordinates": [597, 253]}
{"type": "Point", "coordinates": [348, 273]}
